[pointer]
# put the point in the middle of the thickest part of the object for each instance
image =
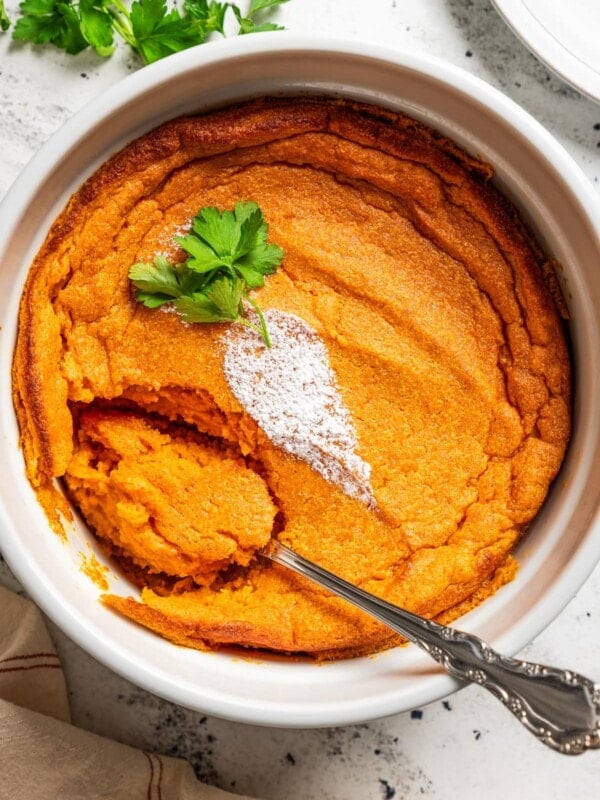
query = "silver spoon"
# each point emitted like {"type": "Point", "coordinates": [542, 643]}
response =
{"type": "Point", "coordinates": [560, 707]}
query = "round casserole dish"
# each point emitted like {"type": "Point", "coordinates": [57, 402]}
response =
{"type": "Point", "coordinates": [553, 197]}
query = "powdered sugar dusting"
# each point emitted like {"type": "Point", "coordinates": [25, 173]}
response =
{"type": "Point", "coordinates": [291, 392]}
{"type": "Point", "coordinates": [167, 240]}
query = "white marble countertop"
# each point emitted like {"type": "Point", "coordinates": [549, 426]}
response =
{"type": "Point", "coordinates": [467, 745]}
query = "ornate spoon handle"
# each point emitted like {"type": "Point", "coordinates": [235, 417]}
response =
{"type": "Point", "coordinates": [560, 707]}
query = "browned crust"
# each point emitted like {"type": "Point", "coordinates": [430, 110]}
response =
{"type": "Point", "coordinates": [204, 635]}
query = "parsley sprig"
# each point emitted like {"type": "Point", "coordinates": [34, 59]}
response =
{"type": "Point", "coordinates": [227, 256]}
{"type": "Point", "coordinates": [152, 28]}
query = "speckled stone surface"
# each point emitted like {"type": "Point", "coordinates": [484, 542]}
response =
{"type": "Point", "coordinates": [466, 746]}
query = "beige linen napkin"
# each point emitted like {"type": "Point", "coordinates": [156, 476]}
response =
{"type": "Point", "coordinates": [43, 756]}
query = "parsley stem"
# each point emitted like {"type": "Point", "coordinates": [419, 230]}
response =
{"type": "Point", "coordinates": [120, 7]}
{"type": "Point", "coordinates": [263, 325]}
{"type": "Point", "coordinates": [256, 328]}
{"type": "Point", "coordinates": [122, 24]}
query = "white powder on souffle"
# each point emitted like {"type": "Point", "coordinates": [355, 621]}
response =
{"type": "Point", "coordinates": [168, 240]}
{"type": "Point", "coordinates": [291, 392]}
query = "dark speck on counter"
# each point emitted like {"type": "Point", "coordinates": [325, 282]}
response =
{"type": "Point", "coordinates": [387, 791]}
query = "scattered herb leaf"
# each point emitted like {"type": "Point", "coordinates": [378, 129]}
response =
{"type": "Point", "coordinates": [228, 255]}
{"type": "Point", "coordinates": [150, 27]}
{"type": "Point", "coordinates": [211, 14]}
{"type": "Point", "coordinates": [50, 22]}
{"type": "Point", "coordinates": [159, 32]}
{"type": "Point", "coordinates": [4, 20]}
{"type": "Point", "coordinates": [97, 27]}
{"type": "Point", "coordinates": [249, 24]}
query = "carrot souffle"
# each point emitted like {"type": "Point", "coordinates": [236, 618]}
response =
{"type": "Point", "coordinates": [395, 408]}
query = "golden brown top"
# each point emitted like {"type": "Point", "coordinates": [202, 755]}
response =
{"type": "Point", "coordinates": [428, 294]}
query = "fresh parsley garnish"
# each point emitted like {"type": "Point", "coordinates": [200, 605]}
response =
{"type": "Point", "coordinates": [152, 28]}
{"type": "Point", "coordinates": [227, 256]}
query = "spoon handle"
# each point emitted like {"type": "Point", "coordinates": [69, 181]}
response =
{"type": "Point", "coordinates": [560, 707]}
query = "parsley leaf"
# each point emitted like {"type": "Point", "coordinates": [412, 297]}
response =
{"type": "Point", "coordinates": [50, 21]}
{"type": "Point", "coordinates": [234, 241]}
{"type": "Point", "coordinates": [210, 14]}
{"type": "Point", "coordinates": [248, 24]}
{"type": "Point", "coordinates": [97, 26]}
{"type": "Point", "coordinates": [4, 20]}
{"type": "Point", "coordinates": [159, 32]}
{"type": "Point", "coordinates": [228, 255]}
{"type": "Point", "coordinates": [158, 280]}
{"type": "Point", "coordinates": [217, 232]}
{"type": "Point", "coordinates": [219, 303]}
